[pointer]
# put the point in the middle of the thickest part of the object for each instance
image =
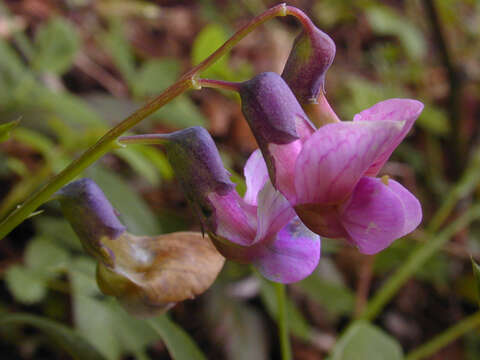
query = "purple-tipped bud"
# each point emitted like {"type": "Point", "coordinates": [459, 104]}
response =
{"type": "Point", "coordinates": [199, 168]}
{"type": "Point", "coordinates": [90, 214]}
{"type": "Point", "coordinates": [277, 120]}
{"type": "Point", "coordinates": [270, 109]}
{"type": "Point", "coordinates": [311, 56]}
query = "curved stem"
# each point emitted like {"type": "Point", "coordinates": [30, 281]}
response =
{"type": "Point", "coordinates": [108, 141]}
{"type": "Point", "coordinates": [282, 321]}
{"type": "Point", "coordinates": [449, 335]}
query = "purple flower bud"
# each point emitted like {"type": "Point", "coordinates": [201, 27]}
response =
{"type": "Point", "coordinates": [311, 56]}
{"type": "Point", "coordinates": [90, 214]}
{"type": "Point", "coordinates": [198, 166]}
{"type": "Point", "coordinates": [277, 120]}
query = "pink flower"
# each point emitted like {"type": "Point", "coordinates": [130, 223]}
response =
{"type": "Point", "coordinates": [328, 175]}
{"type": "Point", "coordinates": [261, 228]}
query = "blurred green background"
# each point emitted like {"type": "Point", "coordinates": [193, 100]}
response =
{"type": "Point", "coordinates": [72, 69]}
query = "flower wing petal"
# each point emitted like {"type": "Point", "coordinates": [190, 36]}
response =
{"type": "Point", "coordinates": [273, 212]}
{"type": "Point", "coordinates": [292, 256]}
{"type": "Point", "coordinates": [411, 205]}
{"type": "Point", "coordinates": [336, 156]}
{"type": "Point", "coordinates": [234, 219]}
{"type": "Point", "coordinates": [256, 175]}
{"type": "Point", "coordinates": [374, 216]}
{"type": "Point", "coordinates": [406, 110]}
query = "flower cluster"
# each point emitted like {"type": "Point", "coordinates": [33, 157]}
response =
{"type": "Point", "coordinates": [302, 183]}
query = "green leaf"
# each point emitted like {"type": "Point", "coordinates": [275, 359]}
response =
{"type": "Point", "coordinates": [134, 212]}
{"type": "Point", "coordinates": [178, 342]}
{"type": "Point", "coordinates": [6, 128]}
{"type": "Point", "coordinates": [181, 113]}
{"type": "Point", "coordinates": [120, 50]}
{"type": "Point", "coordinates": [140, 164]}
{"type": "Point", "coordinates": [26, 285]}
{"type": "Point", "coordinates": [61, 335]}
{"type": "Point", "coordinates": [155, 76]}
{"type": "Point", "coordinates": [476, 274]}
{"type": "Point", "coordinates": [207, 41]}
{"type": "Point", "coordinates": [56, 44]}
{"type": "Point", "coordinates": [296, 322]}
{"type": "Point", "coordinates": [385, 21]}
{"type": "Point", "coordinates": [364, 341]}
{"type": "Point", "coordinates": [45, 256]}
{"type": "Point", "coordinates": [335, 297]}
{"type": "Point", "coordinates": [434, 120]}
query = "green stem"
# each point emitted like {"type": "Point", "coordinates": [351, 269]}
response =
{"type": "Point", "coordinates": [416, 259]}
{"type": "Point", "coordinates": [282, 321]}
{"type": "Point", "coordinates": [449, 335]}
{"type": "Point", "coordinates": [108, 141]}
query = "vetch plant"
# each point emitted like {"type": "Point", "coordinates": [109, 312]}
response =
{"type": "Point", "coordinates": [302, 182]}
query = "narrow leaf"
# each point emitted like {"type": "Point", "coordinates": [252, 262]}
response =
{"type": "Point", "coordinates": [179, 344]}
{"type": "Point", "coordinates": [6, 128]}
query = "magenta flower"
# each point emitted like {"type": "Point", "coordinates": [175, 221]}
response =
{"type": "Point", "coordinates": [261, 228]}
{"type": "Point", "coordinates": [328, 175]}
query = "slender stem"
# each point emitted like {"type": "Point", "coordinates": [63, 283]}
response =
{"type": "Point", "coordinates": [219, 84]}
{"type": "Point", "coordinates": [416, 259]}
{"type": "Point", "coordinates": [469, 323]}
{"type": "Point", "coordinates": [147, 139]}
{"type": "Point", "coordinates": [282, 321]}
{"type": "Point", "coordinates": [108, 141]}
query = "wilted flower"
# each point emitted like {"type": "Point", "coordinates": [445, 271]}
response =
{"type": "Point", "coordinates": [148, 275]}
{"type": "Point", "coordinates": [261, 228]}
{"type": "Point", "coordinates": [328, 174]}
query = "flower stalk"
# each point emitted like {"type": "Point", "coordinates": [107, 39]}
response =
{"type": "Point", "coordinates": [108, 141]}
{"type": "Point", "coordinates": [280, 291]}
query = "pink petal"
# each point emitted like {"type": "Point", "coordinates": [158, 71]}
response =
{"type": "Point", "coordinates": [234, 219]}
{"type": "Point", "coordinates": [377, 214]}
{"type": "Point", "coordinates": [256, 175]}
{"type": "Point", "coordinates": [411, 205]}
{"type": "Point", "coordinates": [284, 159]}
{"type": "Point", "coordinates": [336, 156]}
{"type": "Point", "coordinates": [273, 212]}
{"type": "Point", "coordinates": [406, 110]}
{"type": "Point", "coordinates": [292, 256]}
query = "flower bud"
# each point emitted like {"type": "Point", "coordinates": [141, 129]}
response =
{"type": "Point", "coordinates": [311, 56]}
{"type": "Point", "coordinates": [90, 214]}
{"type": "Point", "coordinates": [148, 275]}
{"type": "Point", "coordinates": [199, 168]}
{"type": "Point", "coordinates": [277, 121]}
